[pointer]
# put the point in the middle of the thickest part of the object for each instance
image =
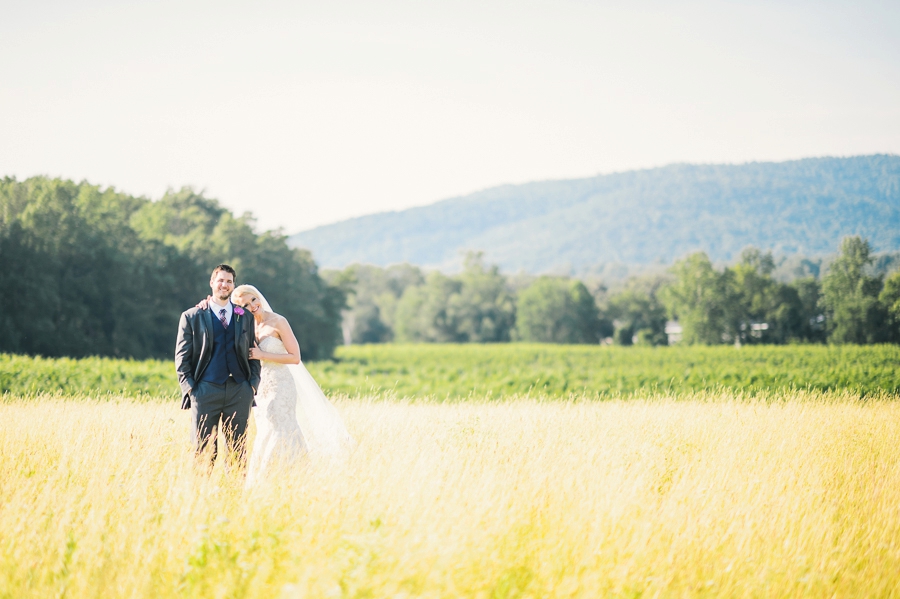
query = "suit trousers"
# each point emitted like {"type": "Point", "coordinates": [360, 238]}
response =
{"type": "Point", "coordinates": [228, 404]}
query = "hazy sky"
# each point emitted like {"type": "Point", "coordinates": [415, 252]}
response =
{"type": "Point", "coordinates": [306, 113]}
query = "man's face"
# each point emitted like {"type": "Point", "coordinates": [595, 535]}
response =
{"type": "Point", "coordinates": [222, 284]}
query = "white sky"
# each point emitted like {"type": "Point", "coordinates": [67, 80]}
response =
{"type": "Point", "coordinates": [306, 113]}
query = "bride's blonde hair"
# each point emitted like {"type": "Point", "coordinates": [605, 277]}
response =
{"type": "Point", "coordinates": [242, 290]}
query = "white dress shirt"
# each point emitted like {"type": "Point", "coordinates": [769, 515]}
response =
{"type": "Point", "coordinates": [217, 311]}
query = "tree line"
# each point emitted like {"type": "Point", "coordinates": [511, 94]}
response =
{"type": "Point", "coordinates": [91, 271]}
{"type": "Point", "coordinates": [739, 304]}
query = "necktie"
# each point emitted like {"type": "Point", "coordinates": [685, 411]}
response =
{"type": "Point", "coordinates": [222, 318]}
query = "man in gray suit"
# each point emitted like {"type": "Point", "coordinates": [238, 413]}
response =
{"type": "Point", "coordinates": [217, 377]}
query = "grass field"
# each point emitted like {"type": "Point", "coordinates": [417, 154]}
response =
{"type": "Point", "coordinates": [786, 495]}
{"type": "Point", "coordinates": [495, 371]}
{"type": "Point", "coordinates": [705, 472]}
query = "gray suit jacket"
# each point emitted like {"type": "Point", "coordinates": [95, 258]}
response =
{"type": "Point", "coordinates": [193, 349]}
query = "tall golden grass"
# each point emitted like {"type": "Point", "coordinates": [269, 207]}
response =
{"type": "Point", "coordinates": [704, 496]}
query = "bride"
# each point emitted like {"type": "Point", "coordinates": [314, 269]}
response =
{"type": "Point", "coordinates": [293, 417]}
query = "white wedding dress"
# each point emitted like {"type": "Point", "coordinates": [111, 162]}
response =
{"type": "Point", "coordinates": [293, 417]}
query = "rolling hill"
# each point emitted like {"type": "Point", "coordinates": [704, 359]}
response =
{"type": "Point", "coordinates": [637, 217]}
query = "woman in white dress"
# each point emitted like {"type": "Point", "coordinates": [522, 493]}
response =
{"type": "Point", "coordinates": [293, 417]}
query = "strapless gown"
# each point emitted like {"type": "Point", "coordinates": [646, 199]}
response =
{"type": "Point", "coordinates": [278, 434]}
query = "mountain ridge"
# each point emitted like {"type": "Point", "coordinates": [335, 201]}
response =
{"type": "Point", "coordinates": [642, 216]}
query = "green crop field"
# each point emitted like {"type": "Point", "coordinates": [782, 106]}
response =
{"type": "Point", "coordinates": [458, 371]}
{"type": "Point", "coordinates": [29, 376]}
{"type": "Point", "coordinates": [444, 372]}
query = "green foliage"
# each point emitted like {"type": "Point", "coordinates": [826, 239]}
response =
{"type": "Point", "coordinates": [890, 299]}
{"type": "Point", "coordinates": [400, 301]}
{"type": "Point", "coordinates": [850, 296]}
{"type": "Point", "coordinates": [760, 309]}
{"type": "Point", "coordinates": [638, 315]}
{"type": "Point", "coordinates": [104, 273]}
{"type": "Point", "coordinates": [809, 291]}
{"type": "Point", "coordinates": [743, 304]}
{"type": "Point", "coordinates": [373, 294]}
{"type": "Point", "coordinates": [740, 304]}
{"type": "Point", "coordinates": [750, 294]}
{"type": "Point", "coordinates": [697, 298]}
{"type": "Point", "coordinates": [554, 310]}
{"type": "Point", "coordinates": [487, 308]}
{"type": "Point", "coordinates": [86, 283]}
{"type": "Point", "coordinates": [430, 312]}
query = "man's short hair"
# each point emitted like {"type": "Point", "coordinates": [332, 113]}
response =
{"type": "Point", "coordinates": [224, 267]}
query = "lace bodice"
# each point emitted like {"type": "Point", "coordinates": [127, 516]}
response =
{"type": "Point", "coordinates": [273, 345]}
{"type": "Point", "coordinates": [274, 376]}
{"type": "Point", "coordinates": [276, 398]}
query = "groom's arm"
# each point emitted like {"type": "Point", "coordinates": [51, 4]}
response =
{"type": "Point", "coordinates": [255, 365]}
{"type": "Point", "coordinates": [184, 347]}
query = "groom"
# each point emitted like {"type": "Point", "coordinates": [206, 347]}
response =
{"type": "Point", "coordinates": [217, 377]}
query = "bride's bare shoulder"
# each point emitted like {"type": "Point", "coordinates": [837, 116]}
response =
{"type": "Point", "coordinates": [271, 319]}
{"type": "Point", "coordinates": [277, 320]}
{"type": "Point", "coordinates": [274, 322]}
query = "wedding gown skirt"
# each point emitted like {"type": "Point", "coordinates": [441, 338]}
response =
{"type": "Point", "coordinates": [293, 417]}
{"type": "Point", "coordinates": [278, 433]}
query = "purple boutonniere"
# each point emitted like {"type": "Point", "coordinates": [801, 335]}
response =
{"type": "Point", "coordinates": [239, 311]}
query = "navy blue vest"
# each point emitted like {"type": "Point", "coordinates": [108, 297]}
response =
{"type": "Point", "coordinates": [224, 360]}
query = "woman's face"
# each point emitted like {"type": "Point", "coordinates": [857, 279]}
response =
{"type": "Point", "coordinates": [251, 302]}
